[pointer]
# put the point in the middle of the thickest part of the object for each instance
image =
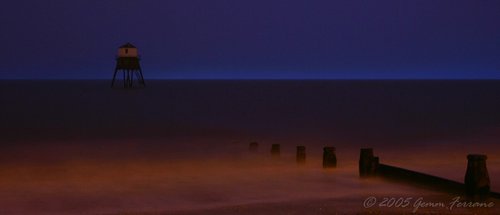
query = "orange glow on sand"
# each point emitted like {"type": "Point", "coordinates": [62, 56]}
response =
{"type": "Point", "coordinates": [162, 180]}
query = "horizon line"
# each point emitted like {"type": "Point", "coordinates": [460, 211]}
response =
{"type": "Point", "coordinates": [258, 79]}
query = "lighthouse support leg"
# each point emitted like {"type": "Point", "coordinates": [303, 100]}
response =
{"type": "Point", "coordinates": [142, 77]}
{"type": "Point", "coordinates": [129, 79]}
{"type": "Point", "coordinates": [124, 78]}
{"type": "Point", "coordinates": [114, 77]}
{"type": "Point", "coordinates": [132, 79]}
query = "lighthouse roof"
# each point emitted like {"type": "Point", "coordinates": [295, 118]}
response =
{"type": "Point", "coordinates": [127, 45]}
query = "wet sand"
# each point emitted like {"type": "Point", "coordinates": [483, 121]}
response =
{"type": "Point", "coordinates": [182, 147]}
{"type": "Point", "coordinates": [209, 177]}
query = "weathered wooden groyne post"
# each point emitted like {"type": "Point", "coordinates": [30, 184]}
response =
{"type": "Point", "coordinates": [368, 164]}
{"type": "Point", "coordinates": [374, 166]}
{"type": "Point", "coordinates": [253, 147]}
{"type": "Point", "coordinates": [301, 154]}
{"type": "Point", "coordinates": [329, 157]}
{"type": "Point", "coordinates": [275, 149]}
{"type": "Point", "coordinates": [477, 180]}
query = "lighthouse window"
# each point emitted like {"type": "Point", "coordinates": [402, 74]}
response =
{"type": "Point", "coordinates": [126, 51]}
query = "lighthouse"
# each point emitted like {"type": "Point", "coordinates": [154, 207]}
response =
{"type": "Point", "coordinates": [127, 62]}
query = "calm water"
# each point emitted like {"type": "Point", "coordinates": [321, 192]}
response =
{"type": "Point", "coordinates": [371, 109]}
{"type": "Point", "coordinates": [79, 146]}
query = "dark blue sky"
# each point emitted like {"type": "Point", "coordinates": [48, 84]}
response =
{"type": "Point", "coordinates": [253, 39]}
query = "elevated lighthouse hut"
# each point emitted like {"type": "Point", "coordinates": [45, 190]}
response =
{"type": "Point", "coordinates": [127, 62]}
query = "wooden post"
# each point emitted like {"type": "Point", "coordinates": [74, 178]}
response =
{"type": "Point", "coordinates": [476, 186]}
{"type": "Point", "coordinates": [275, 149]}
{"type": "Point", "coordinates": [367, 163]}
{"type": "Point", "coordinates": [374, 166]}
{"type": "Point", "coordinates": [301, 154]}
{"type": "Point", "coordinates": [254, 146]}
{"type": "Point", "coordinates": [329, 157]}
{"type": "Point", "coordinates": [477, 180]}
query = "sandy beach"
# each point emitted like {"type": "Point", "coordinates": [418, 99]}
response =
{"type": "Point", "coordinates": [86, 149]}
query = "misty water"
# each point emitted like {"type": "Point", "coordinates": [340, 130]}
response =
{"type": "Point", "coordinates": [71, 147]}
